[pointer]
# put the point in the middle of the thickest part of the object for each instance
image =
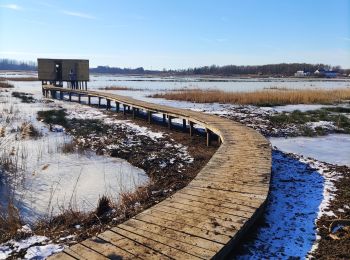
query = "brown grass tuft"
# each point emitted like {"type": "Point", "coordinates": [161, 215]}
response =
{"type": "Point", "coordinates": [271, 97]}
{"type": "Point", "coordinates": [10, 222]}
{"type": "Point", "coordinates": [20, 78]}
{"type": "Point", "coordinates": [6, 85]}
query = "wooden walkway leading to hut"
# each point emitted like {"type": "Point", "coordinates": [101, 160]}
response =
{"type": "Point", "coordinates": [205, 219]}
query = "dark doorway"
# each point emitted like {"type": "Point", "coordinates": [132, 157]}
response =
{"type": "Point", "coordinates": [58, 70]}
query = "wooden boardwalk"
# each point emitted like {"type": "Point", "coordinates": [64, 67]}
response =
{"type": "Point", "coordinates": [204, 220]}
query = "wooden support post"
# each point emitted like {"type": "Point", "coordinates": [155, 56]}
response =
{"type": "Point", "coordinates": [149, 116]}
{"type": "Point", "coordinates": [99, 102]}
{"type": "Point", "coordinates": [108, 104]}
{"type": "Point", "coordinates": [184, 125]}
{"type": "Point", "coordinates": [133, 113]}
{"type": "Point", "coordinates": [124, 109]}
{"type": "Point", "coordinates": [208, 136]}
{"type": "Point", "coordinates": [89, 100]}
{"type": "Point", "coordinates": [164, 119]}
{"type": "Point", "coordinates": [191, 128]}
{"type": "Point", "coordinates": [169, 121]}
{"type": "Point", "coordinates": [79, 98]}
{"type": "Point", "coordinates": [116, 106]}
{"type": "Point", "coordinates": [128, 109]}
{"type": "Point", "coordinates": [61, 95]}
{"type": "Point", "coordinates": [70, 96]}
{"type": "Point", "coordinates": [85, 85]}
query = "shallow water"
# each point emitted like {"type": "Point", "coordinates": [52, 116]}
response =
{"type": "Point", "coordinates": [333, 148]}
{"type": "Point", "coordinates": [48, 179]}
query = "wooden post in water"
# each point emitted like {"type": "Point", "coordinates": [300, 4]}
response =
{"type": "Point", "coordinates": [164, 119]}
{"type": "Point", "coordinates": [99, 102]}
{"type": "Point", "coordinates": [108, 104]}
{"type": "Point", "coordinates": [184, 125]}
{"type": "Point", "coordinates": [89, 100]}
{"type": "Point", "coordinates": [124, 109]}
{"type": "Point", "coordinates": [116, 106]}
{"type": "Point", "coordinates": [61, 95]}
{"type": "Point", "coordinates": [79, 98]}
{"type": "Point", "coordinates": [70, 96]}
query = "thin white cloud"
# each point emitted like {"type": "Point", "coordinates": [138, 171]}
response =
{"type": "Point", "coordinates": [78, 14]}
{"type": "Point", "coordinates": [11, 6]}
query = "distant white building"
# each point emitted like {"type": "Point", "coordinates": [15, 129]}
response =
{"type": "Point", "coordinates": [300, 73]}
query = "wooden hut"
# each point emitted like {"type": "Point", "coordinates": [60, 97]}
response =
{"type": "Point", "coordinates": [58, 71]}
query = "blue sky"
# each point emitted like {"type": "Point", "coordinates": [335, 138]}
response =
{"type": "Point", "coordinates": [161, 34]}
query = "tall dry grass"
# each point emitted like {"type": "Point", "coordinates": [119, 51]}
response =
{"type": "Point", "coordinates": [271, 97]}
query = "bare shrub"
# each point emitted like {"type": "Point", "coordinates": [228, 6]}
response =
{"type": "Point", "coordinates": [28, 130]}
{"type": "Point", "coordinates": [103, 206]}
{"type": "Point", "coordinates": [10, 221]}
{"type": "Point", "coordinates": [68, 147]}
{"type": "Point", "coordinates": [6, 85]}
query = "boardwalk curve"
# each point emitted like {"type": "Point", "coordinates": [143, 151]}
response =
{"type": "Point", "coordinates": [205, 219]}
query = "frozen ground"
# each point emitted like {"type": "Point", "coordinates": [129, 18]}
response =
{"type": "Point", "coordinates": [301, 190]}
{"type": "Point", "coordinates": [334, 149]}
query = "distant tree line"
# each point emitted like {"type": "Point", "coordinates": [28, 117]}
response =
{"type": "Point", "coordinates": [116, 70]}
{"type": "Point", "coordinates": [282, 69]}
{"type": "Point", "coordinates": [7, 64]}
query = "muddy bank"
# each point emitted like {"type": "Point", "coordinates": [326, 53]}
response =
{"type": "Point", "coordinates": [272, 123]}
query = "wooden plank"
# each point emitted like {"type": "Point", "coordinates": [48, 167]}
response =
{"type": "Point", "coordinates": [188, 229]}
{"type": "Point", "coordinates": [107, 249]}
{"type": "Point", "coordinates": [174, 242]}
{"type": "Point", "coordinates": [61, 256]}
{"type": "Point", "coordinates": [80, 251]}
{"type": "Point", "coordinates": [131, 246]}
{"type": "Point", "coordinates": [167, 251]}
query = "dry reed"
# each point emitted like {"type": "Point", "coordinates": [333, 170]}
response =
{"type": "Point", "coordinates": [20, 78]}
{"type": "Point", "coordinates": [261, 98]}
{"type": "Point", "coordinates": [119, 88]}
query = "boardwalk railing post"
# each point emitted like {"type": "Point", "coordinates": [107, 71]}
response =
{"type": "Point", "coordinates": [208, 136]}
{"type": "Point", "coordinates": [133, 112]}
{"type": "Point", "coordinates": [149, 116]}
{"type": "Point", "coordinates": [191, 128]}
{"type": "Point", "coordinates": [169, 121]}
